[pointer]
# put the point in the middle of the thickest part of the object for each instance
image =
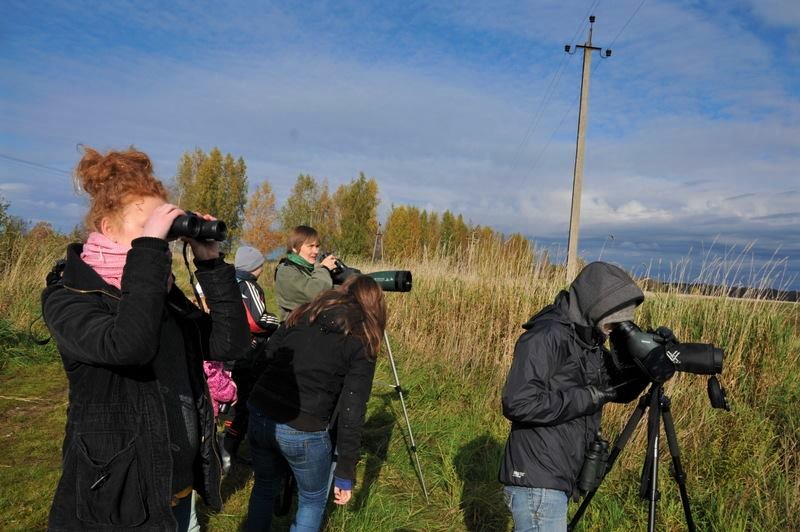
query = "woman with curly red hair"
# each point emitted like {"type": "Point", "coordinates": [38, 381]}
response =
{"type": "Point", "coordinates": [140, 426]}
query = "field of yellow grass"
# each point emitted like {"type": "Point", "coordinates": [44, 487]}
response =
{"type": "Point", "coordinates": [453, 337]}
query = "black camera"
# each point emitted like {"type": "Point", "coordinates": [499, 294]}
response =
{"type": "Point", "coordinates": [389, 281]}
{"type": "Point", "coordinates": [659, 356]}
{"type": "Point", "coordinates": [192, 226]}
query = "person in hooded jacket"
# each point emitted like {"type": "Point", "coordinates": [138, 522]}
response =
{"type": "Point", "coordinates": [320, 366]}
{"type": "Point", "coordinates": [140, 423]}
{"type": "Point", "coordinates": [555, 390]}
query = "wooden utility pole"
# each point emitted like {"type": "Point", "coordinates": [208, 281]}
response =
{"type": "Point", "coordinates": [377, 248]}
{"type": "Point", "coordinates": [577, 176]}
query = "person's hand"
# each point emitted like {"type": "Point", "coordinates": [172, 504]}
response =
{"type": "Point", "coordinates": [160, 220]}
{"type": "Point", "coordinates": [341, 496]}
{"type": "Point", "coordinates": [329, 262]}
{"type": "Point", "coordinates": [204, 249]}
{"type": "Point", "coordinates": [601, 396]}
{"type": "Point", "coordinates": [665, 335]}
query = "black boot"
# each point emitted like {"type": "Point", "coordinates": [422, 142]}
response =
{"type": "Point", "coordinates": [231, 445]}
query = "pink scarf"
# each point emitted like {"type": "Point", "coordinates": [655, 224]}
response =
{"type": "Point", "coordinates": [105, 257]}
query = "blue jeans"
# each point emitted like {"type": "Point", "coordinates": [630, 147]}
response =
{"type": "Point", "coordinates": [309, 454]}
{"type": "Point", "coordinates": [183, 512]}
{"type": "Point", "coordinates": [537, 509]}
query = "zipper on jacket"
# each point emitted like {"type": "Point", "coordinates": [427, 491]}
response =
{"type": "Point", "coordinates": [96, 291]}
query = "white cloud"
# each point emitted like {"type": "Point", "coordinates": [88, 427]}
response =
{"type": "Point", "coordinates": [14, 188]}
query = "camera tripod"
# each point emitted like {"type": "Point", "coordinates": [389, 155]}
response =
{"type": "Point", "coordinates": [659, 405]}
{"type": "Point", "coordinates": [396, 387]}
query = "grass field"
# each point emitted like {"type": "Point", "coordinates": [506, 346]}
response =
{"type": "Point", "coordinates": [452, 337]}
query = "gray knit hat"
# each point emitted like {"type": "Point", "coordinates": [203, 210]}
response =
{"type": "Point", "coordinates": [248, 259]}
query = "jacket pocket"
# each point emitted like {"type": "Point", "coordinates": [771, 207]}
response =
{"type": "Point", "coordinates": [108, 491]}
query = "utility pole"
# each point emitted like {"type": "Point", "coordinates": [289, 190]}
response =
{"type": "Point", "coordinates": [377, 248]}
{"type": "Point", "coordinates": [577, 176]}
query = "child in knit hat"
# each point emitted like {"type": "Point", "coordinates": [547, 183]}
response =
{"type": "Point", "coordinates": [249, 263]}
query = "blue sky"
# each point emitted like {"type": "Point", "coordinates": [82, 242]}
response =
{"type": "Point", "coordinates": [693, 134]}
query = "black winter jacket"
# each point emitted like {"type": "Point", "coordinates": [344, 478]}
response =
{"type": "Point", "coordinates": [310, 366]}
{"type": "Point", "coordinates": [117, 460]}
{"type": "Point", "coordinates": [546, 397]}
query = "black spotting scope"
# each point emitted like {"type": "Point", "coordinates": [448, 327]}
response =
{"type": "Point", "coordinates": [660, 357]}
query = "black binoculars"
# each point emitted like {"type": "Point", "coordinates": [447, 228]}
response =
{"type": "Point", "coordinates": [192, 226]}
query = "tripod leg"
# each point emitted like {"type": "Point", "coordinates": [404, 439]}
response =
{"type": "Point", "coordinates": [619, 445]}
{"type": "Point", "coordinates": [648, 488]}
{"type": "Point", "coordinates": [399, 391]}
{"type": "Point", "coordinates": [680, 477]}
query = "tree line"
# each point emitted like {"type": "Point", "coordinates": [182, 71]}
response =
{"type": "Point", "coordinates": [347, 218]}
{"type": "Point", "coordinates": [216, 183]}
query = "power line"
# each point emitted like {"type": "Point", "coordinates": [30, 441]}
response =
{"type": "Point", "coordinates": [546, 97]}
{"type": "Point", "coordinates": [575, 100]}
{"type": "Point", "coordinates": [635, 11]}
{"type": "Point", "coordinates": [34, 164]}
{"type": "Point", "coordinates": [626, 23]}
{"type": "Point", "coordinates": [549, 91]}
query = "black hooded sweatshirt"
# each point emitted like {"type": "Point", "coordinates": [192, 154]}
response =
{"type": "Point", "coordinates": [547, 395]}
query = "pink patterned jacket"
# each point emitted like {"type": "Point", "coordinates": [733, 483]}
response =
{"type": "Point", "coordinates": [220, 384]}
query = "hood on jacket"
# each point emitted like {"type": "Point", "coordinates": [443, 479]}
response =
{"type": "Point", "coordinates": [332, 320]}
{"type": "Point", "coordinates": [600, 289]}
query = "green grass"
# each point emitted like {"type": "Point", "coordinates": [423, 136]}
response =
{"type": "Point", "coordinates": [33, 405]}
{"type": "Point", "coordinates": [459, 436]}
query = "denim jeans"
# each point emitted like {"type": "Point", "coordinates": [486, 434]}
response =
{"type": "Point", "coordinates": [309, 454]}
{"type": "Point", "coordinates": [537, 509]}
{"type": "Point", "coordinates": [183, 512]}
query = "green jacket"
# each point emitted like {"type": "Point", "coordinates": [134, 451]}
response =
{"type": "Point", "coordinates": [297, 283]}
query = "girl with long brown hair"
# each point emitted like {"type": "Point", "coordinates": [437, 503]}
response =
{"type": "Point", "coordinates": [321, 365]}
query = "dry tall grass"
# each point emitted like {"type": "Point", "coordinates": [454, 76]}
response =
{"type": "Point", "coordinates": [24, 265]}
{"type": "Point", "coordinates": [464, 315]}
